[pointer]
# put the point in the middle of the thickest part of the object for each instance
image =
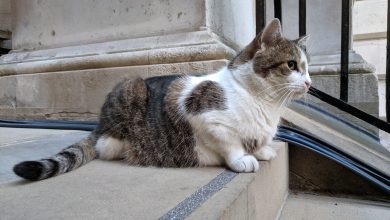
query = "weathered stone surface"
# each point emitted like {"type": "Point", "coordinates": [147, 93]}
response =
{"type": "Point", "coordinates": [50, 24]}
{"type": "Point", "coordinates": [7, 92]}
{"type": "Point", "coordinates": [47, 24]}
{"type": "Point", "coordinates": [177, 48]}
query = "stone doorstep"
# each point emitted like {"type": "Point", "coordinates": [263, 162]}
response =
{"type": "Point", "coordinates": [306, 206]}
{"type": "Point", "coordinates": [105, 189]}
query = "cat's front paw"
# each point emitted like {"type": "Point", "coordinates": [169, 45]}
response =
{"type": "Point", "coordinates": [245, 164]}
{"type": "Point", "coordinates": [265, 153]}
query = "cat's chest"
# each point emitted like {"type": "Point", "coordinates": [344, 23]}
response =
{"type": "Point", "coordinates": [261, 132]}
{"type": "Point", "coordinates": [254, 123]}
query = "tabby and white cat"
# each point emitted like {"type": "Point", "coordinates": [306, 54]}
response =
{"type": "Point", "coordinates": [225, 118]}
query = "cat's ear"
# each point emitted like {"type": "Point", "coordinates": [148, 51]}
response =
{"type": "Point", "coordinates": [247, 53]}
{"type": "Point", "coordinates": [271, 33]}
{"type": "Point", "coordinates": [301, 41]}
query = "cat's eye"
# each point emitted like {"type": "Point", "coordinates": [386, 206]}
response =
{"type": "Point", "coordinates": [292, 65]}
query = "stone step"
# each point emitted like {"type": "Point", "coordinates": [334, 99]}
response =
{"type": "Point", "coordinates": [258, 195]}
{"type": "Point", "coordinates": [306, 206]}
{"type": "Point", "coordinates": [113, 190]}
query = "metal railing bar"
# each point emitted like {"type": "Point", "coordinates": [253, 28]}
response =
{"type": "Point", "coordinates": [344, 50]}
{"type": "Point", "coordinates": [278, 9]}
{"type": "Point", "coordinates": [388, 65]}
{"type": "Point", "coordinates": [302, 18]}
{"type": "Point", "coordinates": [260, 15]}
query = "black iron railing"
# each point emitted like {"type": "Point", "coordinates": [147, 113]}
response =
{"type": "Point", "coordinates": [345, 29]}
{"type": "Point", "coordinates": [260, 10]}
{"type": "Point", "coordinates": [344, 50]}
{"type": "Point", "coordinates": [302, 18]}
{"type": "Point", "coordinates": [388, 65]}
{"type": "Point", "coordinates": [278, 9]}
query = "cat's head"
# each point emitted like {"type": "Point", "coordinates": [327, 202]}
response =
{"type": "Point", "coordinates": [274, 65]}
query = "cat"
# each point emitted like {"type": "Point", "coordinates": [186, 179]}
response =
{"type": "Point", "coordinates": [225, 118]}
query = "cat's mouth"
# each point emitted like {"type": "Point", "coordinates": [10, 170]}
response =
{"type": "Point", "coordinates": [299, 92]}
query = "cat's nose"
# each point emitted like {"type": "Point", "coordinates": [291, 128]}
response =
{"type": "Point", "coordinates": [307, 84]}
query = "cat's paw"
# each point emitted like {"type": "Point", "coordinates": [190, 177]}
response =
{"type": "Point", "coordinates": [245, 164]}
{"type": "Point", "coordinates": [265, 153]}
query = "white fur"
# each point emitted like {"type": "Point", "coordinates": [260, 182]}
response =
{"type": "Point", "coordinates": [265, 153]}
{"type": "Point", "coordinates": [306, 73]}
{"type": "Point", "coordinates": [219, 133]}
{"type": "Point", "coordinates": [248, 116]}
{"type": "Point", "coordinates": [110, 148]}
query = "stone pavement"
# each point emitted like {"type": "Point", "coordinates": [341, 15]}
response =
{"type": "Point", "coordinates": [18, 144]}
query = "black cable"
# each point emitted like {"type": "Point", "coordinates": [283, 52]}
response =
{"type": "Point", "coordinates": [46, 122]}
{"type": "Point", "coordinates": [83, 127]}
{"type": "Point", "coordinates": [50, 124]}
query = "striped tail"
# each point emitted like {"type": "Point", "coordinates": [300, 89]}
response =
{"type": "Point", "coordinates": [67, 160]}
